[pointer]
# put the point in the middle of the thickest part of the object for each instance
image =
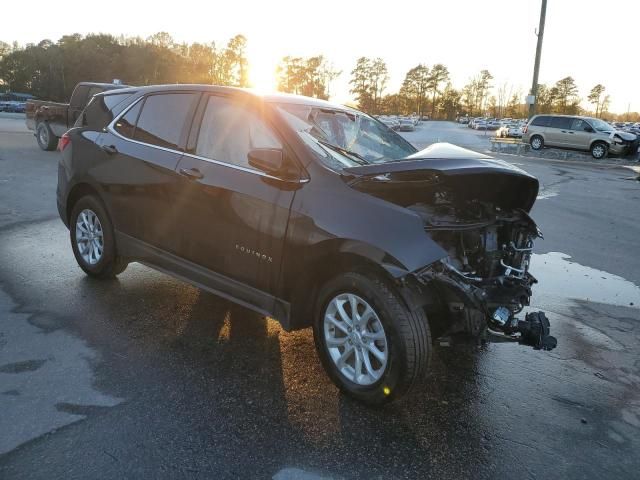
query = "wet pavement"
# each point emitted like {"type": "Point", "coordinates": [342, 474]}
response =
{"type": "Point", "coordinates": [147, 376]}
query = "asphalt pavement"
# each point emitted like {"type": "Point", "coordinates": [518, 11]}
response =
{"type": "Point", "coordinates": [145, 376]}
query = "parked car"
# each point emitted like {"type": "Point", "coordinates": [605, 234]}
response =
{"type": "Point", "coordinates": [298, 209]}
{"type": "Point", "coordinates": [393, 124]}
{"type": "Point", "coordinates": [406, 125]}
{"type": "Point", "coordinates": [463, 120]}
{"type": "Point", "coordinates": [49, 120]}
{"type": "Point", "coordinates": [581, 133]}
{"type": "Point", "coordinates": [514, 130]}
{"type": "Point", "coordinates": [480, 125]}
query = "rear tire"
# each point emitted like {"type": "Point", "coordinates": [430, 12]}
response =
{"type": "Point", "coordinates": [45, 137]}
{"type": "Point", "coordinates": [93, 240]}
{"type": "Point", "coordinates": [599, 150]}
{"type": "Point", "coordinates": [400, 336]}
{"type": "Point", "coordinates": [536, 142]}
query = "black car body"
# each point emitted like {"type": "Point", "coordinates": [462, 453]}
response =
{"type": "Point", "coordinates": [286, 208]}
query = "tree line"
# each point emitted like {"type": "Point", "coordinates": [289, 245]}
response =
{"type": "Point", "coordinates": [429, 91]}
{"type": "Point", "coordinates": [51, 70]}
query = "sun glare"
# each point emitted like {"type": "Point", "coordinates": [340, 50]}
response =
{"type": "Point", "coordinates": [262, 76]}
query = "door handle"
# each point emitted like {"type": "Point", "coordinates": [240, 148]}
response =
{"type": "Point", "coordinates": [191, 173]}
{"type": "Point", "coordinates": [110, 149]}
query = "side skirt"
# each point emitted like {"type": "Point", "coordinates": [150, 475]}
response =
{"type": "Point", "coordinates": [203, 278]}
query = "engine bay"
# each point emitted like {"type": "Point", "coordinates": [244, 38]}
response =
{"type": "Point", "coordinates": [485, 278]}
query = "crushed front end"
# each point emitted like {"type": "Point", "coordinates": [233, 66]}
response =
{"type": "Point", "coordinates": [476, 210]}
{"type": "Point", "coordinates": [484, 282]}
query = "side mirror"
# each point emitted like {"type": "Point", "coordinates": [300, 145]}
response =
{"type": "Point", "coordinates": [588, 129]}
{"type": "Point", "coordinates": [267, 160]}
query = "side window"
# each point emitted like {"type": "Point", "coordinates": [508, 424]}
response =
{"type": "Point", "coordinates": [561, 122]}
{"type": "Point", "coordinates": [93, 91]}
{"type": "Point", "coordinates": [79, 97]}
{"type": "Point", "coordinates": [126, 125]}
{"type": "Point", "coordinates": [98, 113]}
{"type": "Point", "coordinates": [579, 125]}
{"type": "Point", "coordinates": [164, 119]}
{"type": "Point", "coordinates": [114, 99]}
{"type": "Point", "coordinates": [541, 121]}
{"type": "Point", "coordinates": [229, 130]}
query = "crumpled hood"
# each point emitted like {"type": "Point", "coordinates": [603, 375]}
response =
{"type": "Point", "coordinates": [623, 135]}
{"type": "Point", "coordinates": [442, 166]}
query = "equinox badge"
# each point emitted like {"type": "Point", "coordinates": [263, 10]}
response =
{"type": "Point", "coordinates": [258, 255]}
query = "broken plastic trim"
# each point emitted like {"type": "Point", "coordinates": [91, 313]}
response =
{"type": "Point", "coordinates": [533, 331]}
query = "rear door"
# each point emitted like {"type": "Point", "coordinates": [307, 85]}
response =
{"type": "Point", "coordinates": [140, 153]}
{"type": "Point", "coordinates": [233, 216]}
{"type": "Point", "coordinates": [557, 132]}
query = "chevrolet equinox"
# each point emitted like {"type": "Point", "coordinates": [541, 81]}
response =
{"type": "Point", "coordinates": [311, 213]}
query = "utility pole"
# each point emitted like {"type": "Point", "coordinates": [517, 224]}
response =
{"type": "Point", "coordinates": [536, 66]}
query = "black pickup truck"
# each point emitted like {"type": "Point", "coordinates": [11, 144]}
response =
{"type": "Point", "coordinates": [49, 120]}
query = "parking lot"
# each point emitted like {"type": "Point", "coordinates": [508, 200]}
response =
{"type": "Point", "coordinates": [145, 376]}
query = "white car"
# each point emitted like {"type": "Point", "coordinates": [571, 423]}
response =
{"type": "Point", "coordinates": [514, 130]}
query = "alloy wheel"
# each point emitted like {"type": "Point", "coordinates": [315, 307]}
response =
{"type": "Point", "coordinates": [598, 151]}
{"type": "Point", "coordinates": [355, 339]}
{"type": "Point", "coordinates": [89, 237]}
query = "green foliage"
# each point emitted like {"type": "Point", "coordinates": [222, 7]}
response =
{"type": "Point", "coordinates": [306, 76]}
{"type": "Point", "coordinates": [566, 96]}
{"type": "Point", "coordinates": [415, 86]}
{"type": "Point", "coordinates": [51, 70]}
{"type": "Point", "coordinates": [368, 80]}
{"type": "Point", "coordinates": [595, 98]}
{"type": "Point", "coordinates": [439, 74]}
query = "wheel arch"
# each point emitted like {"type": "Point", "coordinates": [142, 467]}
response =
{"type": "Point", "coordinates": [337, 257]}
{"type": "Point", "coordinates": [607, 142]}
{"type": "Point", "coordinates": [78, 191]}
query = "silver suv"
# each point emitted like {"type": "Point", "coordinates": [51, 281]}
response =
{"type": "Point", "coordinates": [581, 133]}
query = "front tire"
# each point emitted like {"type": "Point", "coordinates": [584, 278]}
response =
{"type": "Point", "coordinates": [599, 150]}
{"type": "Point", "coordinates": [536, 142]}
{"type": "Point", "coordinates": [46, 139]}
{"type": "Point", "coordinates": [93, 240]}
{"type": "Point", "coordinates": [371, 345]}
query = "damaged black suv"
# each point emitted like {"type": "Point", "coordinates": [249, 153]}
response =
{"type": "Point", "coordinates": [311, 213]}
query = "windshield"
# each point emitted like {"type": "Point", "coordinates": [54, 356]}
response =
{"type": "Point", "coordinates": [600, 125]}
{"type": "Point", "coordinates": [351, 138]}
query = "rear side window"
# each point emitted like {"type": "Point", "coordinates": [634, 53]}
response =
{"type": "Point", "coordinates": [93, 91]}
{"type": "Point", "coordinates": [99, 113]}
{"type": "Point", "coordinates": [79, 96]}
{"type": "Point", "coordinates": [163, 119]}
{"type": "Point", "coordinates": [561, 122]}
{"type": "Point", "coordinates": [112, 100]}
{"type": "Point", "coordinates": [229, 130]}
{"type": "Point", "coordinates": [540, 121]}
{"type": "Point", "coordinates": [126, 125]}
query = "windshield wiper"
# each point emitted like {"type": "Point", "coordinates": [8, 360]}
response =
{"type": "Point", "coordinates": [359, 158]}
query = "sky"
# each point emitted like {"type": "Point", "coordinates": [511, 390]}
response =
{"type": "Point", "coordinates": [592, 40]}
